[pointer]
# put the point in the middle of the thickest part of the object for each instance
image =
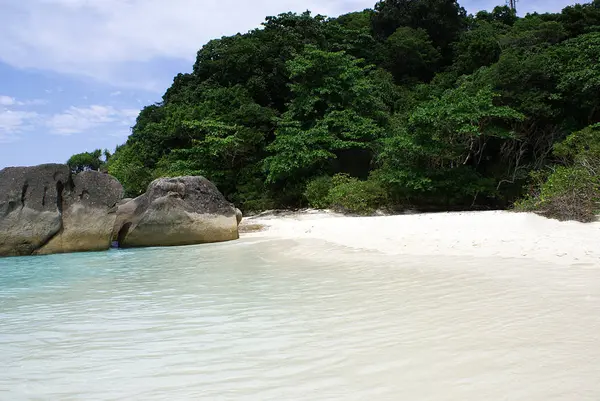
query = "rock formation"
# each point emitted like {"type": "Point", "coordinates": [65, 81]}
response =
{"type": "Point", "coordinates": [176, 211]}
{"type": "Point", "coordinates": [31, 202]}
{"type": "Point", "coordinates": [46, 209]}
{"type": "Point", "coordinates": [89, 213]}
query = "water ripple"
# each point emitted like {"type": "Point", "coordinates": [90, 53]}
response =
{"type": "Point", "coordinates": [282, 320]}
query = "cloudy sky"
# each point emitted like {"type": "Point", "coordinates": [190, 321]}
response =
{"type": "Point", "coordinates": [75, 73]}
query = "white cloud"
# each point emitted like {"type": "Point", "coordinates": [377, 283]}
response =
{"type": "Point", "coordinates": [7, 100]}
{"type": "Point", "coordinates": [13, 120]}
{"type": "Point", "coordinates": [11, 101]}
{"type": "Point", "coordinates": [76, 120]}
{"type": "Point", "coordinates": [33, 102]}
{"type": "Point", "coordinates": [13, 123]}
{"type": "Point", "coordinates": [111, 40]}
{"type": "Point", "coordinates": [108, 120]}
{"type": "Point", "coordinates": [116, 40]}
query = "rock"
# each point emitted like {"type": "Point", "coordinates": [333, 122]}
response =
{"type": "Point", "coordinates": [89, 214]}
{"type": "Point", "coordinates": [176, 211]}
{"type": "Point", "coordinates": [238, 215]}
{"type": "Point", "coordinates": [44, 209]}
{"type": "Point", "coordinates": [31, 201]}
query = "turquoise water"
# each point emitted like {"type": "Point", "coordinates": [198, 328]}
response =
{"type": "Point", "coordinates": [281, 320]}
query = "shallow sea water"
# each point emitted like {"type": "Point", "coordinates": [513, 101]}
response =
{"type": "Point", "coordinates": [295, 320]}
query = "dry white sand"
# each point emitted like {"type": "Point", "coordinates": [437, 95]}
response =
{"type": "Point", "coordinates": [479, 234]}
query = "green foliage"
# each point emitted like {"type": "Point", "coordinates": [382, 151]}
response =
{"type": "Point", "coordinates": [578, 70]}
{"type": "Point", "coordinates": [570, 192]}
{"type": "Point", "coordinates": [335, 108]}
{"type": "Point", "coordinates": [351, 195]}
{"type": "Point", "coordinates": [443, 145]}
{"type": "Point", "coordinates": [443, 20]}
{"type": "Point", "coordinates": [582, 148]}
{"type": "Point", "coordinates": [127, 166]}
{"type": "Point", "coordinates": [581, 18]}
{"type": "Point", "coordinates": [317, 192]}
{"type": "Point", "coordinates": [533, 32]}
{"type": "Point", "coordinates": [87, 161]}
{"type": "Point", "coordinates": [501, 14]}
{"type": "Point", "coordinates": [478, 47]}
{"type": "Point", "coordinates": [346, 194]}
{"type": "Point", "coordinates": [412, 102]}
{"type": "Point", "coordinates": [258, 59]}
{"type": "Point", "coordinates": [411, 55]}
{"type": "Point", "coordinates": [357, 21]}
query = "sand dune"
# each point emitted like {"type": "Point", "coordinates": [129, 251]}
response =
{"type": "Point", "coordinates": [479, 234]}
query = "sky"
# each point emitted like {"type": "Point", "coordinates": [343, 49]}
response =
{"type": "Point", "coordinates": [75, 73]}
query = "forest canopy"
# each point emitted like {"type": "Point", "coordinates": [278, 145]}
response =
{"type": "Point", "coordinates": [413, 103]}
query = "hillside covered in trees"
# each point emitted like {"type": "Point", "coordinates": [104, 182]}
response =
{"type": "Point", "coordinates": [413, 103]}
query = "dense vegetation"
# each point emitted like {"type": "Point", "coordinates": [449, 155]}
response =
{"type": "Point", "coordinates": [413, 103]}
{"type": "Point", "coordinates": [89, 161]}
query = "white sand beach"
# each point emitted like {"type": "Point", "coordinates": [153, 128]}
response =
{"type": "Point", "coordinates": [478, 234]}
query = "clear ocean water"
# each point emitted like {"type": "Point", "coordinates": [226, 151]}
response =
{"type": "Point", "coordinates": [285, 320]}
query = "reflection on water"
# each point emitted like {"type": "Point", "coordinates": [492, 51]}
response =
{"type": "Point", "coordinates": [279, 320]}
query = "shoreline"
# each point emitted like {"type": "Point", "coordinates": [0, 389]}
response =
{"type": "Point", "coordinates": [484, 234]}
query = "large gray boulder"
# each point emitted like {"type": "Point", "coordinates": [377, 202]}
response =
{"type": "Point", "coordinates": [176, 211]}
{"type": "Point", "coordinates": [44, 209]}
{"type": "Point", "coordinates": [31, 201]}
{"type": "Point", "coordinates": [89, 213]}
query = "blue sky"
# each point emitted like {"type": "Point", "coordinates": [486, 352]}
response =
{"type": "Point", "coordinates": [75, 73]}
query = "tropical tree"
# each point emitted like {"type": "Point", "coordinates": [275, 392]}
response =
{"type": "Point", "coordinates": [335, 110]}
{"type": "Point", "coordinates": [87, 161]}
